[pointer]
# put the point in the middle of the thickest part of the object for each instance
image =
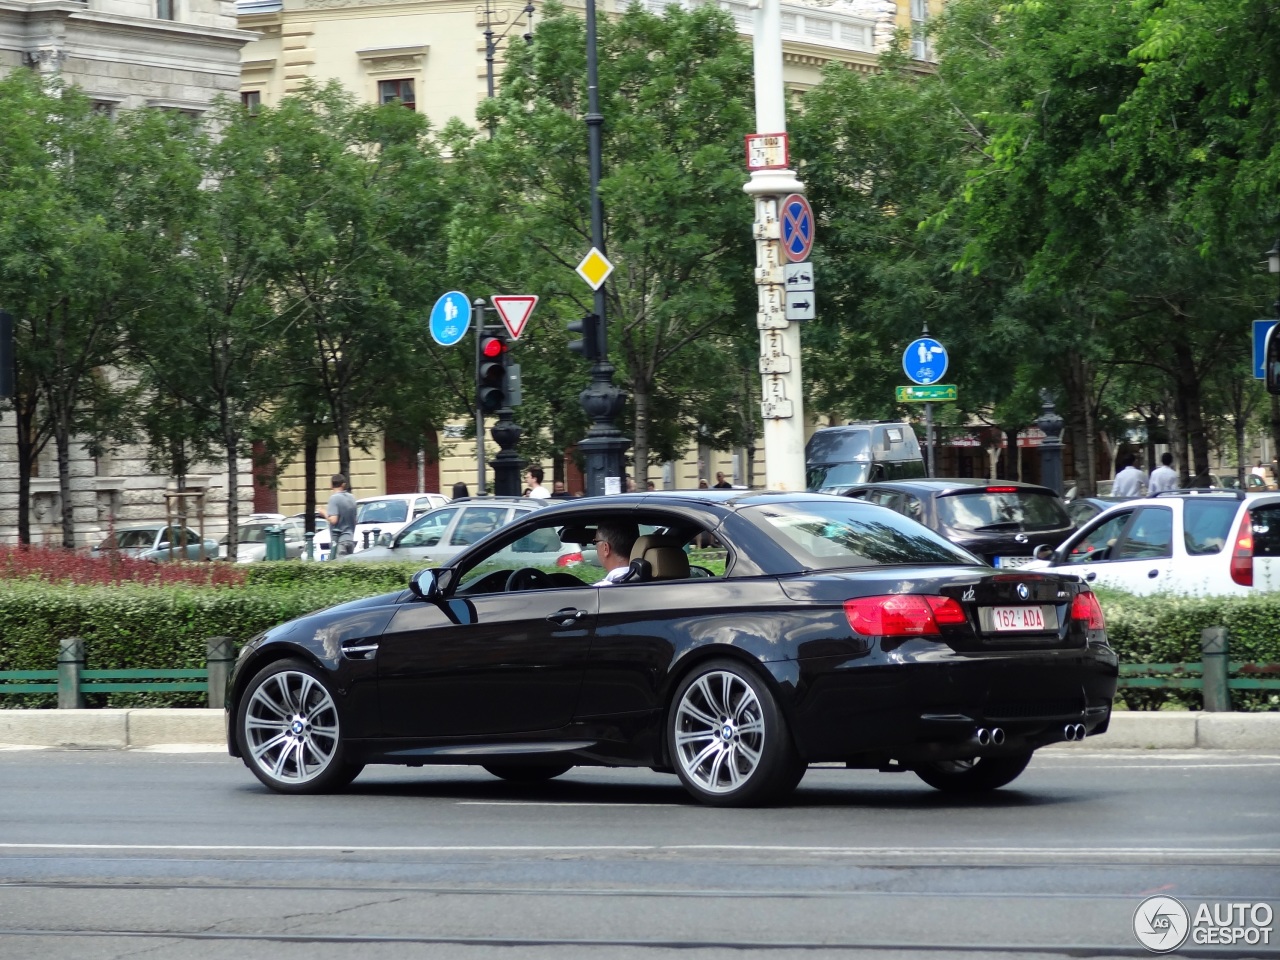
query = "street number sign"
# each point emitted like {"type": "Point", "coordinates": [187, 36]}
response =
{"type": "Point", "coordinates": [450, 318]}
{"type": "Point", "coordinates": [766, 151]}
{"type": "Point", "coordinates": [924, 361]}
{"type": "Point", "coordinates": [797, 227]}
{"type": "Point", "coordinates": [515, 310]}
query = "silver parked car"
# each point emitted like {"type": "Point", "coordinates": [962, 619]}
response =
{"type": "Point", "coordinates": [443, 533]}
{"type": "Point", "coordinates": [252, 536]}
{"type": "Point", "coordinates": [158, 543]}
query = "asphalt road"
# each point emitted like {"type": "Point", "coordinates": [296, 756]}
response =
{"type": "Point", "coordinates": [184, 855]}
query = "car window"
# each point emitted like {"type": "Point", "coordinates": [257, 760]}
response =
{"type": "Point", "coordinates": [427, 530]}
{"type": "Point", "coordinates": [913, 507]}
{"type": "Point", "coordinates": [1094, 545]}
{"type": "Point", "coordinates": [1265, 521]}
{"type": "Point", "coordinates": [847, 534]}
{"type": "Point", "coordinates": [1149, 537]}
{"type": "Point", "coordinates": [422, 503]}
{"type": "Point", "coordinates": [886, 498]}
{"type": "Point", "coordinates": [994, 508]}
{"type": "Point", "coordinates": [1208, 524]}
{"type": "Point", "coordinates": [476, 523]}
{"type": "Point", "coordinates": [257, 533]}
{"type": "Point", "coordinates": [382, 511]}
{"type": "Point", "coordinates": [130, 539]}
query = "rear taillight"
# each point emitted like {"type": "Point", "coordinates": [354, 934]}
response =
{"type": "Point", "coordinates": [1086, 607]}
{"type": "Point", "coordinates": [902, 615]}
{"type": "Point", "coordinates": [1242, 553]}
{"type": "Point", "coordinates": [568, 560]}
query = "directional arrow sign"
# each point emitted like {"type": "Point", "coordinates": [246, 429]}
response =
{"type": "Point", "coordinates": [515, 311]}
{"type": "Point", "coordinates": [800, 305]}
{"type": "Point", "coordinates": [916, 394]}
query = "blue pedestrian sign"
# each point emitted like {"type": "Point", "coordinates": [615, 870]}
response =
{"type": "Point", "coordinates": [450, 318]}
{"type": "Point", "coordinates": [1260, 330]}
{"type": "Point", "coordinates": [925, 361]}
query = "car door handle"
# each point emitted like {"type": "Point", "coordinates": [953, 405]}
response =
{"type": "Point", "coordinates": [567, 616]}
{"type": "Point", "coordinates": [1091, 575]}
{"type": "Point", "coordinates": [359, 651]}
{"type": "Point", "coordinates": [1152, 574]}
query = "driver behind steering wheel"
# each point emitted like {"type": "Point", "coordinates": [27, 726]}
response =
{"type": "Point", "coordinates": [613, 546]}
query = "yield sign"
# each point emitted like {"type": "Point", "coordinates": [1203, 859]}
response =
{"type": "Point", "coordinates": [515, 310]}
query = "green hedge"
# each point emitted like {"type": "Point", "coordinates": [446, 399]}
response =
{"type": "Point", "coordinates": [1164, 629]}
{"type": "Point", "coordinates": [131, 626]}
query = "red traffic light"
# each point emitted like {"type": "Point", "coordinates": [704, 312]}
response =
{"type": "Point", "coordinates": [492, 347]}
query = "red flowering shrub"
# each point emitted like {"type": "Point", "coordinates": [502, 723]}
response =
{"type": "Point", "coordinates": [56, 565]}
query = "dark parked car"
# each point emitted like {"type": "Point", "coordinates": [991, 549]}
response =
{"type": "Point", "coordinates": [1002, 521]}
{"type": "Point", "coordinates": [1083, 509]}
{"type": "Point", "coordinates": [837, 631]}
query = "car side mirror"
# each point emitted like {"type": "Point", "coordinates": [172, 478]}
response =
{"type": "Point", "coordinates": [425, 585]}
{"type": "Point", "coordinates": [1043, 552]}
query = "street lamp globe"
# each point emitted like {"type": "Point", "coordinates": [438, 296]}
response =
{"type": "Point", "coordinates": [1273, 257]}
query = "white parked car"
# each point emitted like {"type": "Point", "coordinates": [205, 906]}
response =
{"type": "Point", "coordinates": [385, 516]}
{"type": "Point", "coordinates": [1197, 543]}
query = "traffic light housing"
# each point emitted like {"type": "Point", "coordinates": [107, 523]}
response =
{"type": "Point", "coordinates": [491, 375]}
{"type": "Point", "coordinates": [591, 341]}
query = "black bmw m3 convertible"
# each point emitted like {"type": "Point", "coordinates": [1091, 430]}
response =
{"type": "Point", "coordinates": [837, 631]}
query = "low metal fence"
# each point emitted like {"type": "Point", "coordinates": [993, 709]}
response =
{"type": "Point", "coordinates": [71, 680]}
{"type": "Point", "coordinates": [1215, 676]}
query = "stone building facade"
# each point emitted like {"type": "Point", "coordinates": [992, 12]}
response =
{"type": "Point", "coordinates": [125, 54]}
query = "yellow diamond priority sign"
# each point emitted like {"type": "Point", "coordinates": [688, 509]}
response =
{"type": "Point", "coordinates": [595, 269]}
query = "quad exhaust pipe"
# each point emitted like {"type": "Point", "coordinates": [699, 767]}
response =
{"type": "Point", "coordinates": [1074, 731]}
{"type": "Point", "coordinates": [989, 738]}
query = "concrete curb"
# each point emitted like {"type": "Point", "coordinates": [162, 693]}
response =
{"type": "Point", "coordinates": [131, 729]}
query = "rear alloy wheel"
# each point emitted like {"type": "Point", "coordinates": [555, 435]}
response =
{"type": "Point", "coordinates": [290, 732]}
{"type": "Point", "coordinates": [518, 773]}
{"type": "Point", "coordinates": [728, 740]}
{"type": "Point", "coordinates": [973, 776]}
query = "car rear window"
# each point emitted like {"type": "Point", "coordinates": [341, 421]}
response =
{"type": "Point", "coordinates": [992, 509]}
{"type": "Point", "coordinates": [1207, 524]}
{"type": "Point", "coordinates": [852, 534]}
{"type": "Point", "coordinates": [382, 511]}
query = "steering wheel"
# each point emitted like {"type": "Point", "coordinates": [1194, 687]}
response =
{"type": "Point", "coordinates": [528, 578]}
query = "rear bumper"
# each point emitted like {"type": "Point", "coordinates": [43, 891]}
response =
{"type": "Point", "coordinates": [928, 702]}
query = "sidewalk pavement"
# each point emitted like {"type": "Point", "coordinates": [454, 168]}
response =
{"type": "Point", "coordinates": [132, 729]}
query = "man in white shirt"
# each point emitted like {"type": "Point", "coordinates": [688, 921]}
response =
{"type": "Point", "coordinates": [533, 477]}
{"type": "Point", "coordinates": [613, 543]}
{"type": "Point", "coordinates": [1130, 480]}
{"type": "Point", "coordinates": [1163, 477]}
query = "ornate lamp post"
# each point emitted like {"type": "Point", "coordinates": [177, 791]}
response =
{"type": "Point", "coordinates": [604, 444]}
{"type": "Point", "coordinates": [497, 18]}
{"type": "Point", "coordinates": [1051, 447]}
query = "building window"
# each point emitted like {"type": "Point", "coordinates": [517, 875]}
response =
{"type": "Point", "coordinates": [165, 9]}
{"type": "Point", "coordinates": [919, 40]}
{"type": "Point", "coordinates": [251, 100]}
{"type": "Point", "coordinates": [390, 91]}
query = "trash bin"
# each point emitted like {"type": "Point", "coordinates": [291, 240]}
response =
{"type": "Point", "coordinates": [275, 542]}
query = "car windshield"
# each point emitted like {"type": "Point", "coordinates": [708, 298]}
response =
{"type": "Point", "coordinates": [253, 534]}
{"type": "Point", "coordinates": [1008, 509]}
{"type": "Point", "coordinates": [382, 511]}
{"type": "Point", "coordinates": [129, 540]}
{"type": "Point", "coordinates": [852, 534]}
{"type": "Point", "coordinates": [828, 477]}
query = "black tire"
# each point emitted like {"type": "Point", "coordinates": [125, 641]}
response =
{"type": "Point", "coordinates": [524, 773]}
{"type": "Point", "coordinates": [727, 738]}
{"type": "Point", "coordinates": [973, 776]}
{"type": "Point", "coordinates": [290, 730]}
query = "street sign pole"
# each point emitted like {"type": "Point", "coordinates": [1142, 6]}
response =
{"type": "Point", "coordinates": [928, 439]}
{"type": "Point", "coordinates": [477, 315]}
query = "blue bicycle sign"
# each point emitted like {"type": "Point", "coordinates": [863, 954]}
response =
{"type": "Point", "coordinates": [924, 361]}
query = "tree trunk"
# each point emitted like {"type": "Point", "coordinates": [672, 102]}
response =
{"type": "Point", "coordinates": [310, 459]}
{"type": "Point", "coordinates": [640, 443]}
{"type": "Point", "coordinates": [24, 409]}
{"type": "Point", "coordinates": [1077, 417]}
{"type": "Point", "coordinates": [62, 442]}
{"type": "Point", "coordinates": [231, 443]}
{"type": "Point", "coordinates": [1188, 386]}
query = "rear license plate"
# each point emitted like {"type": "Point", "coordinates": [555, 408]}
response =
{"type": "Point", "coordinates": [1007, 562]}
{"type": "Point", "coordinates": [1017, 618]}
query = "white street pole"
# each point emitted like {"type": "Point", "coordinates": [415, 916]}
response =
{"type": "Point", "coordinates": [782, 400]}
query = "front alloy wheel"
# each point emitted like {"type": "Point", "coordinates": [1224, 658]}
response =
{"type": "Point", "coordinates": [290, 732]}
{"type": "Point", "coordinates": [728, 739]}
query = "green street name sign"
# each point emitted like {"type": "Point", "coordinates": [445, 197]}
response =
{"type": "Point", "coordinates": [917, 394]}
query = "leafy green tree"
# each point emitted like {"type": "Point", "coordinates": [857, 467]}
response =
{"type": "Point", "coordinates": [359, 201]}
{"type": "Point", "coordinates": [675, 94]}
